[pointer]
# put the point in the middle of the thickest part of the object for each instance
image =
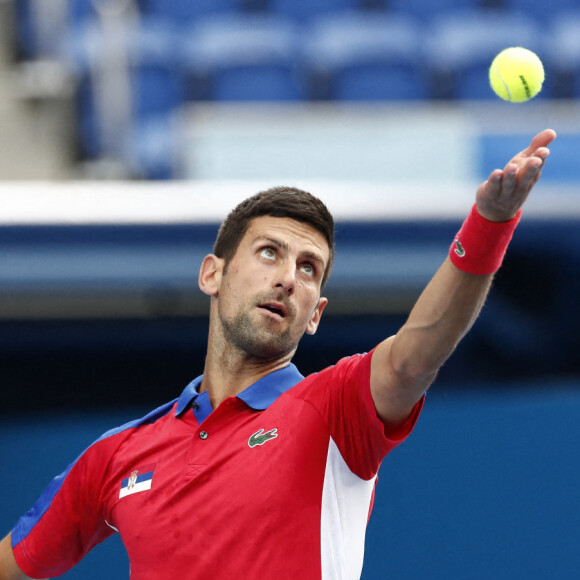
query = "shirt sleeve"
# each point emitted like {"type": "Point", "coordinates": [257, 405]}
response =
{"type": "Point", "coordinates": [66, 521]}
{"type": "Point", "coordinates": [342, 395]}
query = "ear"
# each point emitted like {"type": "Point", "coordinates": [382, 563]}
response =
{"type": "Point", "coordinates": [210, 275]}
{"type": "Point", "coordinates": [314, 321]}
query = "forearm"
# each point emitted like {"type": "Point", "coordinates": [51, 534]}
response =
{"type": "Point", "coordinates": [443, 314]}
{"type": "Point", "coordinates": [404, 366]}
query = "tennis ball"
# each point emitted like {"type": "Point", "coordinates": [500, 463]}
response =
{"type": "Point", "coordinates": [516, 74]}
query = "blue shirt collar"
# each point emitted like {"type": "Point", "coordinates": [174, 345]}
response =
{"type": "Point", "coordinates": [258, 396]}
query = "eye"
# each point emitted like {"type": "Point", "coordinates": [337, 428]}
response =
{"type": "Point", "coordinates": [268, 253]}
{"type": "Point", "coordinates": [308, 269]}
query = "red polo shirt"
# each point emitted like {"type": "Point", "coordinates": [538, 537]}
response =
{"type": "Point", "coordinates": [275, 483]}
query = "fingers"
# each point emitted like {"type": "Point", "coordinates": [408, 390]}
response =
{"type": "Point", "coordinates": [509, 179]}
{"type": "Point", "coordinates": [538, 146]}
{"type": "Point", "coordinates": [542, 153]}
{"type": "Point", "coordinates": [529, 175]}
{"type": "Point", "coordinates": [532, 167]}
{"type": "Point", "coordinates": [541, 140]}
{"type": "Point", "coordinates": [533, 157]}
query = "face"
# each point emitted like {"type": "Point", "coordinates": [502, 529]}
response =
{"type": "Point", "coordinates": [268, 295]}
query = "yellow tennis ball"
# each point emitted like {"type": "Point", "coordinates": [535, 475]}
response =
{"type": "Point", "coordinates": [516, 74]}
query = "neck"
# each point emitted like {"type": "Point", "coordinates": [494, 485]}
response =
{"type": "Point", "coordinates": [228, 372]}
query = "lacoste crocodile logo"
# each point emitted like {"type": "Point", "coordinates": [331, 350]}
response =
{"type": "Point", "coordinates": [259, 437]}
{"type": "Point", "coordinates": [459, 249]}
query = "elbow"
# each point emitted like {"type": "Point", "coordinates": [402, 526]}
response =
{"type": "Point", "coordinates": [412, 366]}
{"type": "Point", "coordinates": [412, 372]}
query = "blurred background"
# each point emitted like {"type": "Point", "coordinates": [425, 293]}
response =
{"type": "Point", "coordinates": [130, 128]}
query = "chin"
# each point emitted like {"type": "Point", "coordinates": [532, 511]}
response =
{"type": "Point", "coordinates": [271, 348]}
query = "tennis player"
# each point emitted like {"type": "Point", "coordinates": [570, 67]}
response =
{"type": "Point", "coordinates": [256, 471]}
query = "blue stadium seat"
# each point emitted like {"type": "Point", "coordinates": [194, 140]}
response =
{"type": "Point", "coordinates": [462, 47]}
{"type": "Point", "coordinates": [185, 12]}
{"type": "Point", "coordinates": [427, 10]}
{"type": "Point", "coordinates": [26, 37]}
{"type": "Point", "coordinates": [562, 60]}
{"type": "Point", "coordinates": [81, 10]}
{"type": "Point", "coordinates": [243, 58]}
{"type": "Point", "coordinates": [152, 151]}
{"type": "Point", "coordinates": [305, 10]}
{"type": "Point", "coordinates": [155, 66]}
{"type": "Point", "coordinates": [541, 10]}
{"type": "Point", "coordinates": [366, 57]}
{"type": "Point", "coordinates": [81, 50]}
{"type": "Point", "coordinates": [41, 26]}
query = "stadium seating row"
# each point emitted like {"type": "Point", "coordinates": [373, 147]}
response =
{"type": "Point", "coordinates": [185, 12]}
{"type": "Point", "coordinates": [361, 55]}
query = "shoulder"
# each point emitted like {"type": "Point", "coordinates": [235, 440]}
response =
{"type": "Point", "coordinates": [149, 419]}
{"type": "Point", "coordinates": [355, 367]}
{"type": "Point", "coordinates": [103, 449]}
{"type": "Point", "coordinates": [347, 379]}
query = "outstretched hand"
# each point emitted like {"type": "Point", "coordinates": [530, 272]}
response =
{"type": "Point", "coordinates": [505, 191]}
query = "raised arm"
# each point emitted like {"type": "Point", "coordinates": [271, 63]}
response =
{"type": "Point", "coordinates": [9, 570]}
{"type": "Point", "coordinates": [404, 365]}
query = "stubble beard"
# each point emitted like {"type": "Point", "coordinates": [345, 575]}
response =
{"type": "Point", "coordinates": [259, 342]}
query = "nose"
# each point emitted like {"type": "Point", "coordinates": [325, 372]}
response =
{"type": "Point", "coordinates": [286, 277]}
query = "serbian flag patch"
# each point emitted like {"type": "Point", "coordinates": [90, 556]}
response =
{"type": "Point", "coordinates": [138, 479]}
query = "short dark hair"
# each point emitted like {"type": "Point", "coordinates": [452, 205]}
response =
{"type": "Point", "coordinates": [280, 201]}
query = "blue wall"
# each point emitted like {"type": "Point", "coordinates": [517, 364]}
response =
{"type": "Point", "coordinates": [486, 487]}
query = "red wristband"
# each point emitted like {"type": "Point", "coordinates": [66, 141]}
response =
{"type": "Point", "coordinates": [481, 244]}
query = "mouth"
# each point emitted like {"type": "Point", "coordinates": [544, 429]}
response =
{"type": "Point", "coordinates": [274, 308]}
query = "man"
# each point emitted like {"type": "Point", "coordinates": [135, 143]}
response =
{"type": "Point", "coordinates": [255, 471]}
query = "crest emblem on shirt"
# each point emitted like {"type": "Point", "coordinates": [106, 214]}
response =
{"type": "Point", "coordinates": [137, 480]}
{"type": "Point", "coordinates": [259, 437]}
{"type": "Point", "coordinates": [132, 480]}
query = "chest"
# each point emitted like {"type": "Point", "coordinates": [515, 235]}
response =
{"type": "Point", "coordinates": [187, 481]}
